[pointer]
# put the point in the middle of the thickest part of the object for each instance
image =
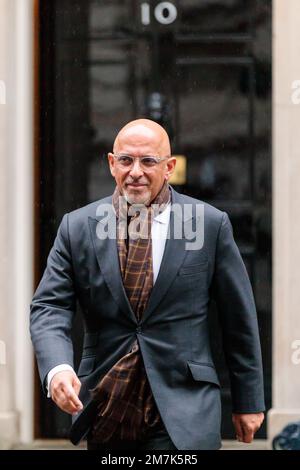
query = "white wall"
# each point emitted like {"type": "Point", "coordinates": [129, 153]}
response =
{"type": "Point", "coordinates": [286, 216]}
{"type": "Point", "coordinates": [16, 220]}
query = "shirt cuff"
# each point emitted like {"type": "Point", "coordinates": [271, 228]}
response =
{"type": "Point", "coordinates": [54, 371]}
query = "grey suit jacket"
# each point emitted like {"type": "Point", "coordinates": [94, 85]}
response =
{"type": "Point", "coordinates": [173, 333]}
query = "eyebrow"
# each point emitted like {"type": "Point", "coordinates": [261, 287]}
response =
{"type": "Point", "coordinates": [129, 155]}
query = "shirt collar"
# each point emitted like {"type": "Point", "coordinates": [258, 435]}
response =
{"type": "Point", "coordinates": [163, 217]}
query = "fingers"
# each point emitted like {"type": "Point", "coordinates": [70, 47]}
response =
{"type": "Point", "coordinates": [246, 425]}
{"type": "Point", "coordinates": [65, 387]}
{"type": "Point", "coordinates": [248, 433]}
{"type": "Point", "coordinates": [72, 397]}
{"type": "Point", "coordinates": [76, 385]}
{"type": "Point", "coordinates": [66, 398]}
{"type": "Point", "coordinates": [238, 429]}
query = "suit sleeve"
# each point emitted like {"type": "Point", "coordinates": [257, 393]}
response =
{"type": "Point", "coordinates": [53, 308]}
{"type": "Point", "coordinates": [238, 319]}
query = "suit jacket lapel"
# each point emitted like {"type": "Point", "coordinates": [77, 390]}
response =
{"type": "Point", "coordinates": [173, 256]}
{"type": "Point", "coordinates": [106, 252]}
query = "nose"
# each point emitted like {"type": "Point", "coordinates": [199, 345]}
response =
{"type": "Point", "coordinates": [136, 170]}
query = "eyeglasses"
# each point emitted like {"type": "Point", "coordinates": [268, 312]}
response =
{"type": "Point", "coordinates": [146, 162]}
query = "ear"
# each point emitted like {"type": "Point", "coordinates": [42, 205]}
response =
{"type": "Point", "coordinates": [171, 163]}
{"type": "Point", "coordinates": [111, 162]}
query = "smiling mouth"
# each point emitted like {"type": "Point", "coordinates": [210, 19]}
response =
{"type": "Point", "coordinates": [136, 185]}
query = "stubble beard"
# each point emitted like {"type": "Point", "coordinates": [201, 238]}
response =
{"type": "Point", "coordinates": [144, 198]}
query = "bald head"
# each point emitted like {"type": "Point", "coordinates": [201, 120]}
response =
{"type": "Point", "coordinates": [143, 132]}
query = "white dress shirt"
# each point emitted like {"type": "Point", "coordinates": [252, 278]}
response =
{"type": "Point", "coordinates": [159, 231]}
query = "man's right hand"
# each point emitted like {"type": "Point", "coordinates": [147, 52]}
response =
{"type": "Point", "coordinates": [64, 389]}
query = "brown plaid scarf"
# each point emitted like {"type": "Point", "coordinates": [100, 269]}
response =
{"type": "Point", "coordinates": [126, 407]}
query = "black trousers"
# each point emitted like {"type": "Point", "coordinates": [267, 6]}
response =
{"type": "Point", "coordinates": [157, 439]}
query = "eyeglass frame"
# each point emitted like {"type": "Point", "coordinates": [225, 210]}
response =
{"type": "Point", "coordinates": [158, 159]}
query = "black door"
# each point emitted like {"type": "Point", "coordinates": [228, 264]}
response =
{"type": "Point", "coordinates": [200, 68]}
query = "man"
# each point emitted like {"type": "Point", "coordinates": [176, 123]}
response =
{"type": "Point", "coordinates": [147, 378]}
